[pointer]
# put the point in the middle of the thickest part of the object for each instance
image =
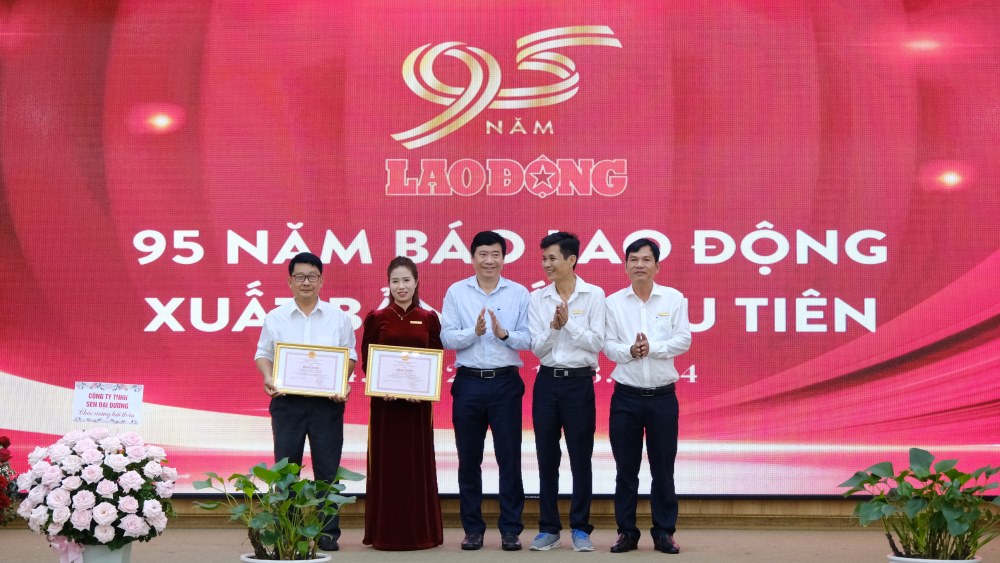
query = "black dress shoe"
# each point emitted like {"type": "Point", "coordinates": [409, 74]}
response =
{"type": "Point", "coordinates": [327, 543]}
{"type": "Point", "coordinates": [666, 544]}
{"type": "Point", "coordinates": [472, 542]}
{"type": "Point", "coordinates": [624, 543]}
{"type": "Point", "coordinates": [509, 542]}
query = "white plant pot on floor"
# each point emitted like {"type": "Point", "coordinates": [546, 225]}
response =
{"type": "Point", "coordinates": [249, 558]}
{"type": "Point", "coordinates": [897, 559]}
{"type": "Point", "coordinates": [104, 554]}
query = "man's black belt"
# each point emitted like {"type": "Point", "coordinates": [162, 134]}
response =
{"type": "Point", "coordinates": [645, 391]}
{"type": "Point", "coordinates": [487, 373]}
{"type": "Point", "coordinates": [566, 372]}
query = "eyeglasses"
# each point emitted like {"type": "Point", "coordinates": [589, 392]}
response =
{"type": "Point", "coordinates": [301, 278]}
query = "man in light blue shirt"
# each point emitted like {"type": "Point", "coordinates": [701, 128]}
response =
{"type": "Point", "coordinates": [485, 320]}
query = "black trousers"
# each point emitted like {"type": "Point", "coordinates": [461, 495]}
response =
{"type": "Point", "coordinates": [293, 418]}
{"type": "Point", "coordinates": [631, 415]}
{"type": "Point", "coordinates": [564, 404]}
{"type": "Point", "coordinates": [496, 404]}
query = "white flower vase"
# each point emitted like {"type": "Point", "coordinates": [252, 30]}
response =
{"type": "Point", "coordinates": [249, 558]}
{"type": "Point", "coordinates": [104, 554]}
{"type": "Point", "coordinates": [897, 559]}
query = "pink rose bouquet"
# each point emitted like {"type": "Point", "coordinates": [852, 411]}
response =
{"type": "Point", "coordinates": [95, 488]}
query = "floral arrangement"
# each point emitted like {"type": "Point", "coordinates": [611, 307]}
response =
{"type": "Point", "coordinates": [8, 484]}
{"type": "Point", "coordinates": [95, 488]}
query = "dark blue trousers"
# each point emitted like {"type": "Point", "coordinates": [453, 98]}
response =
{"type": "Point", "coordinates": [631, 415]}
{"type": "Point", "coordinates": [558, 404]}
{"type": "Point", "coordinates": [496, 404]}
{"type": "Point", "coordinates": [293, 418]}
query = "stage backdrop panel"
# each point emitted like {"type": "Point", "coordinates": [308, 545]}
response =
{"type": "Point", "coordinates": [822, 178]}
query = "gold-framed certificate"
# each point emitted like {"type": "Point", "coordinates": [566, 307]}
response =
{"type": "Point", "coordinates": [406, 373]}
{"type": "Point", "coordinates": [301, 369]}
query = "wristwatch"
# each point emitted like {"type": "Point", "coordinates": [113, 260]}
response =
{"type": "Point", "coordinates": [506, 335]}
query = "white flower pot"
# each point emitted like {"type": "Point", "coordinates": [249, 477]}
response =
{"type": "Point", "coordinates": [249, 558]}
{"type": "Point", "coordinates": [897, 559]}
{"type": "Point", "coordinates": [104, 554]}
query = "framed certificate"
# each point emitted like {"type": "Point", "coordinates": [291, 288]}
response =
{"type": "Point", "coordinates": [300, 369]}
{"type": "Point", "coordinates": [406, 373]}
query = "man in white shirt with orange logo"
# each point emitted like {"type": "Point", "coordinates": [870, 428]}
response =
{"type": "Point", "coordinates": [646, 327]}
{"type": "Point", "coordinates": [566, 319]}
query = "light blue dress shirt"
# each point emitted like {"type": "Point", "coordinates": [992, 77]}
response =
{"type": "Point", "coordinates": [462, 304]}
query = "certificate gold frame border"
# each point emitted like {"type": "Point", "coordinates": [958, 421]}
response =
{"type": "Point", "coordinates": [373, 348]}
{"type": "Point", "coordinates": [292, 391]}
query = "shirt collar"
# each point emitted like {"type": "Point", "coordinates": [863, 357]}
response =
{"type": "Point", "coordinates": [474, 284]}
{"type": "Point", "coordinates": [581, 287]}
{"type": "Point", "coordinates": [319, 309]}
{"type": "Point", "coordinates": [657, 290]}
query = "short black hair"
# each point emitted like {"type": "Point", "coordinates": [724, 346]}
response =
{"type": "Point", "coordinates": [569, 244]}
{"type": "Point", "coordinates": [639, 243]}
{"type": "Point", "coordinates": [488, 238]}
{"type": "Point", "coordinates": [305, 258]}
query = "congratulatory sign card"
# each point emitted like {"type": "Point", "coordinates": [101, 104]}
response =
{"type": "Point", "coordinates": [107, 403]}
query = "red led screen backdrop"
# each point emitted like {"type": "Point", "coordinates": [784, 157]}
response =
{"type": "Point", "coordinates": [822, 178]}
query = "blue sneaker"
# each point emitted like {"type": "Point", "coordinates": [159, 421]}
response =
{"type": "Point", "coordinates": [581, 541]}
{"type": "Point", "coordinates": [544, 542]}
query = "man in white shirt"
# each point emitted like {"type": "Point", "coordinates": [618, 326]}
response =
{"type": "Point", "coordinates": [307, 320]}
{"type": "Point", "coordinates": [485, 320]}
{"type": "Point", "coordinates": [566, 319]}
{"type": "Point", "coordinates": [647, 326]}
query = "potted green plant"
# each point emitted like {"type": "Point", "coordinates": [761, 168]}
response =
{"type": "Point", "coordinates": [283, 513]}
{"type": "Point", "coordinates": [931, 511]}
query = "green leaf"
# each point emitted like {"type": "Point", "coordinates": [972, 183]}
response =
{"type": "Point", "coordinates": [208, 505]}
{"type": "Point", "coordinates": [311, 531]}
{"type": "Point", "coordinates": [858, 478]}
{"type": "Point", "coordinates": [945, 464]}
{"type": "Point", "coordinates": [957, 523]}
{"type": "Point", "coordinates": [269, 538]}
{"type": "Point", "coordinates": [920, 462]}
{"type": "Point", "coordinates": [883, 469]}
{"type": "Point", "coordinates": [340, 499]}
{"type": "Point", "coordinates": [247, 487]}
{"type": "Point", "coordinates": [199, 485]}
{"type": "Point", "coordinates": [914, 506]}
{"type": "Point", "coordinates": [262, 520]}
{"type": "Point", "coordinates": [265, 474]}
{"type": "Point", "coordinates": [344, 474]}
{"type": "Point", "coordinates": [957, 476]}
{"type": "Point", "coordinates": [868, 512]}
{"type": "Point", "coordinates": [905, 489]}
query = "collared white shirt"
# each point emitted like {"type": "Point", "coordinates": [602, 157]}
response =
{"type": "Point", "coordinates": [462, 304]}
{"type": "Point", "coordinates": [578, 343]}
{"type": "Point", "coordinates": [326, 325]}
{"type": "Point", "coordinates": [664, 321]}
